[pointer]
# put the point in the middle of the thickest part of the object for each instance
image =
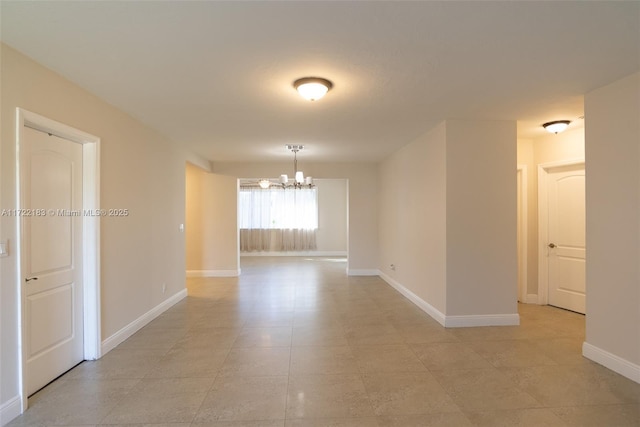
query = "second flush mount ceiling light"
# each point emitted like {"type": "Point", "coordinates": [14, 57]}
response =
{"type": "Point", "coordinates": [312, 88]}
{"type": "Point", "coordinates": [556, 126]}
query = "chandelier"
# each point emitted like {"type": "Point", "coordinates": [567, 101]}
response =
{"type": "Point", "coordinates": [298, 181]}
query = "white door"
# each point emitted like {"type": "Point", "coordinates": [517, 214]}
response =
{"type": "Point", "coordinates": [566, 237]}
{"type": "Point", "coordinates": [51, 185]}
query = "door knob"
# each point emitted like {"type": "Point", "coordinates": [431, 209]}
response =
{"type": "Point", "coordinates": [552, 245]}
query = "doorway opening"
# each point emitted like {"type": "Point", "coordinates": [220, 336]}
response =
{"type": "Point", "coordinates": [533, 156]}
{"type": "Point", "coordinates": [212, 223]}
{"type": "Point", "coordinates": [318, 220]}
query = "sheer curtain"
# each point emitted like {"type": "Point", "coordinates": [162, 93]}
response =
{"type": "Point", "coordinates": [277, 219]}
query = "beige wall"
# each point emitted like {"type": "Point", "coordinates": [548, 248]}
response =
{"type": "Point", "coordinates": [448, 218]}
{"type": "Point", "coordinates": [140, 171]}
{"type": "Point", "coordinates": [362, 194]}
{"type": "Point", "coordinates": [548, 148]}
{"type": "Point", "coordinates": [332, 215]}
{"type": "Point", "coordinates": [568, 145]}
{"type": "Point", "coordinates": [412, 217]}
{"type": "Point", "coordinates": [211, 221]}
{"type": "Point", "coordinates": [481, 218]}
{"type": "Point", "coordinates": [613, 219]}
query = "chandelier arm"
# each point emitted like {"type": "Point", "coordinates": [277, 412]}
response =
{"type": "Point", "coordinates": [294, 183]}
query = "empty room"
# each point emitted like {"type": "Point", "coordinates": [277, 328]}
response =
{"type": "Point", "coordinates": [320, 213]}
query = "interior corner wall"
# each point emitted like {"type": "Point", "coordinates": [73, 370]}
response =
{"type": "Point", "coordinates": [332, 215]}
{"type": "Point", "coordinates": [193, 217]}
{"type": "Point", "coordinates": [362, 196]}
{"type": "Point", "coordinates": [211, 223]}
{"type": "Point", "coordinates": [613, 220]}
{"type": "Point", "coordinates": [481, 218]}
{"type": "Point", "coordinates": [412, 217]}
{"type": "Point", "coordinates": [140, 171]}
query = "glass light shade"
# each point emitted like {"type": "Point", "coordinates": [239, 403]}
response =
{"type": "Point", "coordinates": [557, 126]}
{"type": "Point", "coordinates": [312, 88]}
{"type": "Point", "coordinates": [312, 91]}
{"type": "Point", "coordinates": [299, 177]}
{"type": "Point", "coordinates": [264, 183]}
{"type": "Point", "coordinates": [308, 180]}
{"type": "Point", "coordinates": [284, 179]}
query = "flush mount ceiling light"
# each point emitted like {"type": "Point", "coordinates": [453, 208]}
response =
{"type": "Point", "coordinates": [312, 88]}
{"type": "Point", "coordinates": [556, 126]}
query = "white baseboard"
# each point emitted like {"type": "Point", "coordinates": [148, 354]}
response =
{"type": "Point", "coordinates": [531, 299]}
{"type": "Point", "coordinates": [114, 340]}
{"type": "Point", "coordinates": [611, 361]}
{"type": "Point", "coordinates": [362, 272]}
{"type": "Point", "coordinates": [300, 253]}
{"type": "Point", "coordinates": [10, 410]}
{"type": "Point", "coordinates": [213, 273]}
{"type": "Point", "coordinates": [453, 321]}
{"type": "Point", "coordinates": [422, 304]}
{"type": "Point", "coordinates": [474, 320]}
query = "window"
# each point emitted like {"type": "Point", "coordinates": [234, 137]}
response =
{"type": "Point", "coordinates": [276, 219]}
{"type": "Point", "coordinates": [277, 208]}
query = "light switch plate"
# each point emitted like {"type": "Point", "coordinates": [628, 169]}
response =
{"type": "Point", "coordinates": [4, 248]}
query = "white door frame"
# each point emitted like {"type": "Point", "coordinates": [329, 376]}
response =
{"type": "Point", "coordinates": [543, 224]}
{"type": "Point", "coordinates": [523, 229]}
{"type": "Point", "coordinates": [90, 235]}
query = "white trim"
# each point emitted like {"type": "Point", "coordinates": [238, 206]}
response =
{"type": "Point", "coordinates": [213, 273]}
{"type": "Point", "coordinates": [90, 236]}
{"type": "Point", "coordinates": [91, 255]}
{"type": "Point", "coordinates": [561, 163]}
{"type": "Point", "coordinates": [453, 321]}
{"type": "Point", "coordinates": [543, 224]}
{"type": "Point", "coordinates": [348, 232]}
{"type": "Point", "coordinates": [422, 304]}
{"type": "Point", "coordinates": [482, 320]}
{"type": "Point", "coordinates": [237, 226]}
{"type": "Point", "coordinates": [362, 272]}
{"type": "Point", "coordinates": [119, 337]}
{"type": "Point", "coordinates": [524, 232]}
{"type": "Point", "coordinates": [295, 253]}
{"type": "Point", "coordinates": [531, 299]}
{"type": "Point", "coordinates": [611, 361]}
{"type": "Point", "coordinates": [543, 265]}
{"type": "Point", "coordinates": [10, 410]}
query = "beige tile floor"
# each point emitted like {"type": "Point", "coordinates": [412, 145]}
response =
{"type": "Point", "coordinates": [294, 342]}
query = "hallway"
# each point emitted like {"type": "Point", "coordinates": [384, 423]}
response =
{"type": "Point", "coordinates": [295, 342]}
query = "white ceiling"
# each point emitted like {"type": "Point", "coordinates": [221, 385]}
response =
{"type": "Point", "coordinates": [216, 76]}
